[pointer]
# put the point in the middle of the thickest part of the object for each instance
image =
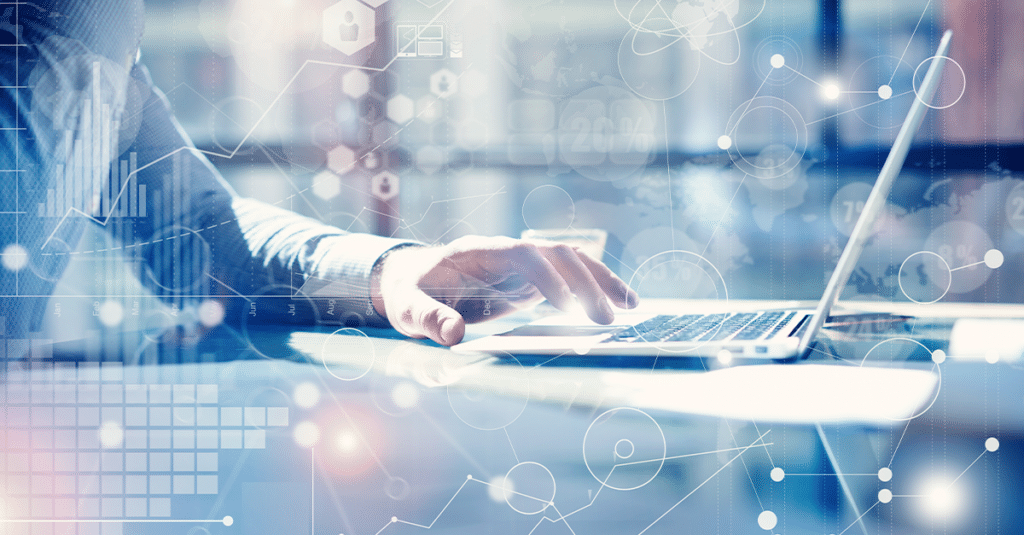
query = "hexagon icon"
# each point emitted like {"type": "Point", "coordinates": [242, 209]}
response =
{"type": "Point", "coordinates": [349, 26]}
{"type": "Point", "coordinates": [400, 109]}
{"type": "Point", "coordinates": [341, 159]}
{"type": "Point", "coordinates": [355, 83]}
{"type": "Point", "coordinates": [443, 83]}
{"type": "Point", "coordinates": [384, 185]}
{"type": "Point", "coordinates": [326, 185]}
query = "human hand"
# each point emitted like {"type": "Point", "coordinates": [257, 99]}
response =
{"type": "Point", "coordinates": [433, 292]}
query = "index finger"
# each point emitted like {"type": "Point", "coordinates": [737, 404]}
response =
{"type": "Point", "coordinates": [618, 291]}
{"type": "Point", "coordinates": [538, 271]}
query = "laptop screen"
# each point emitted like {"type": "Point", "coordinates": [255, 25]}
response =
{"type": "Point", "coordinates": [862, 231]}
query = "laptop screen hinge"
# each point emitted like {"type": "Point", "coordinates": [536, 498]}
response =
{"type": "Point", "coordinates": [799, 326]}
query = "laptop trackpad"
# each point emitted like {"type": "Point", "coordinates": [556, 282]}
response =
{"type": "Point", "coordinates": [563, 330]}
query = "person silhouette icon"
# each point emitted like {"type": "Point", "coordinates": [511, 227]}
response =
{"type": "Point", "coordinates": [349, 31]}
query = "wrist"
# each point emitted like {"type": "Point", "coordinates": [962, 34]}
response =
{"type": "Point", "coordinates": [376, 276]}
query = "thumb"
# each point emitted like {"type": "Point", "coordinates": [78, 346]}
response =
{"type": "Point", "coordinates": [423, 315]}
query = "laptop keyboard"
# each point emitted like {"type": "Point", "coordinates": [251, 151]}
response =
{"type": "Point", "coordinates": [705, 327]}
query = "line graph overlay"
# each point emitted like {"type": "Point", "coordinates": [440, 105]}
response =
{"type": "Point", "coordinates": [231, 154]}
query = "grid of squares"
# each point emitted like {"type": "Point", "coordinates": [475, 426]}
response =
{"type": "Point", "coordinates": [78, 441]}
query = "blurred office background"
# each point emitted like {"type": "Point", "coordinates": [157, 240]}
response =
{"type": "Point", "coordinates": [496, 117]}
{"type": "Point", "coordinates": [499, 116]}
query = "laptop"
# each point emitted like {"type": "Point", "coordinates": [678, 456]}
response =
{"type": "Point", "coordinates": [765, 334]}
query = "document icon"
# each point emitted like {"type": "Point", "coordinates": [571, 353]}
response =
{"type": "Point", "coordinates": [406, 35]}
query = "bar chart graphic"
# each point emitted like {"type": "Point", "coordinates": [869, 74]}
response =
{"type": "Point", "coordinates": [90, 157]}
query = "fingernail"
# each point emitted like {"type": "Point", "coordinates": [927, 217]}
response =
{"type": "Point", "coordinates": [443, 330]}
{"type": "Point", "coordinates": [632, 299]}
{"type": "Point", "coordinates": [447, 331]}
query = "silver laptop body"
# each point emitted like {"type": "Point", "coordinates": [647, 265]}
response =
{"type": "Point", "coordinates": [766, 334]}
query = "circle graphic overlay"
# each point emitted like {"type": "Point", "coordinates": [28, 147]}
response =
{"type": "Point", "coordinates": [397, 488]}
{"type": "Point", "coordinates": [529, 488]}
{"type": "Point", "coordinates": [924, 277]}
{"type": "Point", "coordinates": [605, 133]}
{"type": "Point", "coordinates": [49, 263]}
{"type": "Point", "coordinates": [548, 207]}
{"type": "Point", "coordinates": [645, 54]}
{"type": "Point", "coordinates": [487, 400]}
{"type": "Point", "coordinates": [351, 347]}
{"type": "Point", "coordinates": [899, 349]}
{"type": "Point", "coordinates": [787, 137]}
{"type": "Point", "coordinates": [955, 82]}
{"type": "Point", "coordinates": [876, 82]}
{"type": "Point", "coordinates": [963, 245]}
{"type": "Point", "coordinates": [680, 275]}
{"type": "Point", "coordinates": [847, 205]}
{"type": "Point", "coordinates": [616, 433]}
{"type": "Point", "coordinates": [778, 59]}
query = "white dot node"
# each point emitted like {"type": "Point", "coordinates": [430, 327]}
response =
{"type": "Point", "coordinates": [724, 142]}
{"type": "Point", "coordinates": [306, 434]}
{"type": "Point", "coordinates": [993, 258]}
{"type": "Point", "coordinates": [831, 91]}
{"type": "Point", "coordinates": [306, 395]}
{"type": "Point", "coordinates": [884, 474]}
{"type": "Point", "coordinates": [885, 495]}
{"type": "Point", "coordinates": [725, 356]}
{"type": "Point", "coordinates": [767, 520]}
{"type": "Point", "coordinates": [992, 444]}
{"type": "Point", "coordinates": [211, 313]}
{"type": "Point", "coordinates": [991, 357]}
{"type": "Point", "coordinates": [228, 521]}
{"type": "Point", "coordinates": [469, 477]}
{"type": "Point", "coordinates": [394, 519]}
{"type": "Point", "coordinates": [111, 313]}
{"type": "Point", "coordinates": [777, 61]}
{"type": "Point", "coordinates": [938, 356]}
{"type": "Point", "coordinates": [778, 474]}
{"type": "Point", "coordinates": [500, 487]}
{"type": "Point", "coordinates": [15, 257]}
{"type": "Point", "coordinates": [884, 92]}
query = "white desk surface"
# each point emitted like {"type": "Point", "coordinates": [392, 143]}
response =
{"type": "Point", "coordinates": [805, 392]}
